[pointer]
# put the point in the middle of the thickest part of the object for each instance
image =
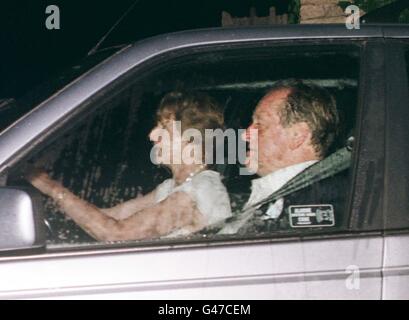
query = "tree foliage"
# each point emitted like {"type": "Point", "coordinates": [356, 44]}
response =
{"type": "Point", "coordinates": [294, 11]}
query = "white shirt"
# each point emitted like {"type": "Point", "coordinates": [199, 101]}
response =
{"type": "Point", "coordinates": [206, 190]}
{"type": "Point", "coordinates": [263, 187]}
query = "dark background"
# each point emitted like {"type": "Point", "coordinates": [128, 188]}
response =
{"type": "Point", "coordinates": [30, 53]}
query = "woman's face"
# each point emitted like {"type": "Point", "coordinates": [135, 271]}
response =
{"type": "Point", "coordinates": [167, 142]}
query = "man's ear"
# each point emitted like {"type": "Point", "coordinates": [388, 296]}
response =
{"type": "Point", "coordinates": [300, 133]}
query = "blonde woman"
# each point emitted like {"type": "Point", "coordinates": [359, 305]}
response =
{"type": "Point", "coordinates": [192, 199]}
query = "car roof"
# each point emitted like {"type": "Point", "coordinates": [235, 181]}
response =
{"type": "Point", "coordinates": [289, 31]}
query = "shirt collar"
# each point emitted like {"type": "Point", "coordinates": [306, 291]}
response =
{"type": "Point", "coordinates": [263, 187]}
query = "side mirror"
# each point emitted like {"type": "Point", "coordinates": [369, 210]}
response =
{"type": "Point", "coordinates": [21, 225]}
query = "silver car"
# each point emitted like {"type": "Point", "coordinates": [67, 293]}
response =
{"type": "Point", "coordinates": [91, 134]}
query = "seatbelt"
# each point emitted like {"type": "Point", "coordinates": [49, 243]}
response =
{"type": "Point", "coordinates": [333, 164]}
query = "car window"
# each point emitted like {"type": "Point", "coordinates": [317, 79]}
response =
{"type": "Point", "coordinates": [105, 159]}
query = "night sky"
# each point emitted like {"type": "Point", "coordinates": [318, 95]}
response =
{"type": "Point", "coordinates": [30, 53]}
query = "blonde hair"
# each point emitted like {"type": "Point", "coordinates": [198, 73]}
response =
{"type": "Point", "coordinates": [194, 109]}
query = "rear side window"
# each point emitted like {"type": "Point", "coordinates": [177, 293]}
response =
{"type": "Point", "coordinates": [106, 159]}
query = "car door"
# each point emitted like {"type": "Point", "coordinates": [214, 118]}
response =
{"type": "Point", "coordinates": [340, 262]}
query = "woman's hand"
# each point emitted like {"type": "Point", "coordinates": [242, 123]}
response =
{"type": "Point", "coordinates": [42, 181]}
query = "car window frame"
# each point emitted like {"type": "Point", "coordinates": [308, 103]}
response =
{"type": "Point", "coordinates": [83, 109]}
{"type": "Point", "coordinates": [367, 209]}
{"type": "Point", "coordinates": [396, 218]}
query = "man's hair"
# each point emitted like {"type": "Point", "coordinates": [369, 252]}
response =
{"type": "Point", "coordinates": [193, 109]}
{"type": "Point", "coordinates": [313, 105]}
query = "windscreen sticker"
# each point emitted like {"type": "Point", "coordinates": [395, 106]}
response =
{"type": "Point", "coordinates": [303, 216]}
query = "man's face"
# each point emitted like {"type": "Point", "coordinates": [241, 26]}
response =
{"type": "Point", "coordinates": [273, 138]}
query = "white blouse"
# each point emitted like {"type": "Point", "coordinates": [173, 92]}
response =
{"type": "Point", "coordinates": [206, 190]}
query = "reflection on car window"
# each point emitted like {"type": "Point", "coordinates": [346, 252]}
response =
{"type": "Point", "coordinates": [288, 109]}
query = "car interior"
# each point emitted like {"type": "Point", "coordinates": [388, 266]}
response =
{"type": "Point", "coordinates": [105, 159]}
